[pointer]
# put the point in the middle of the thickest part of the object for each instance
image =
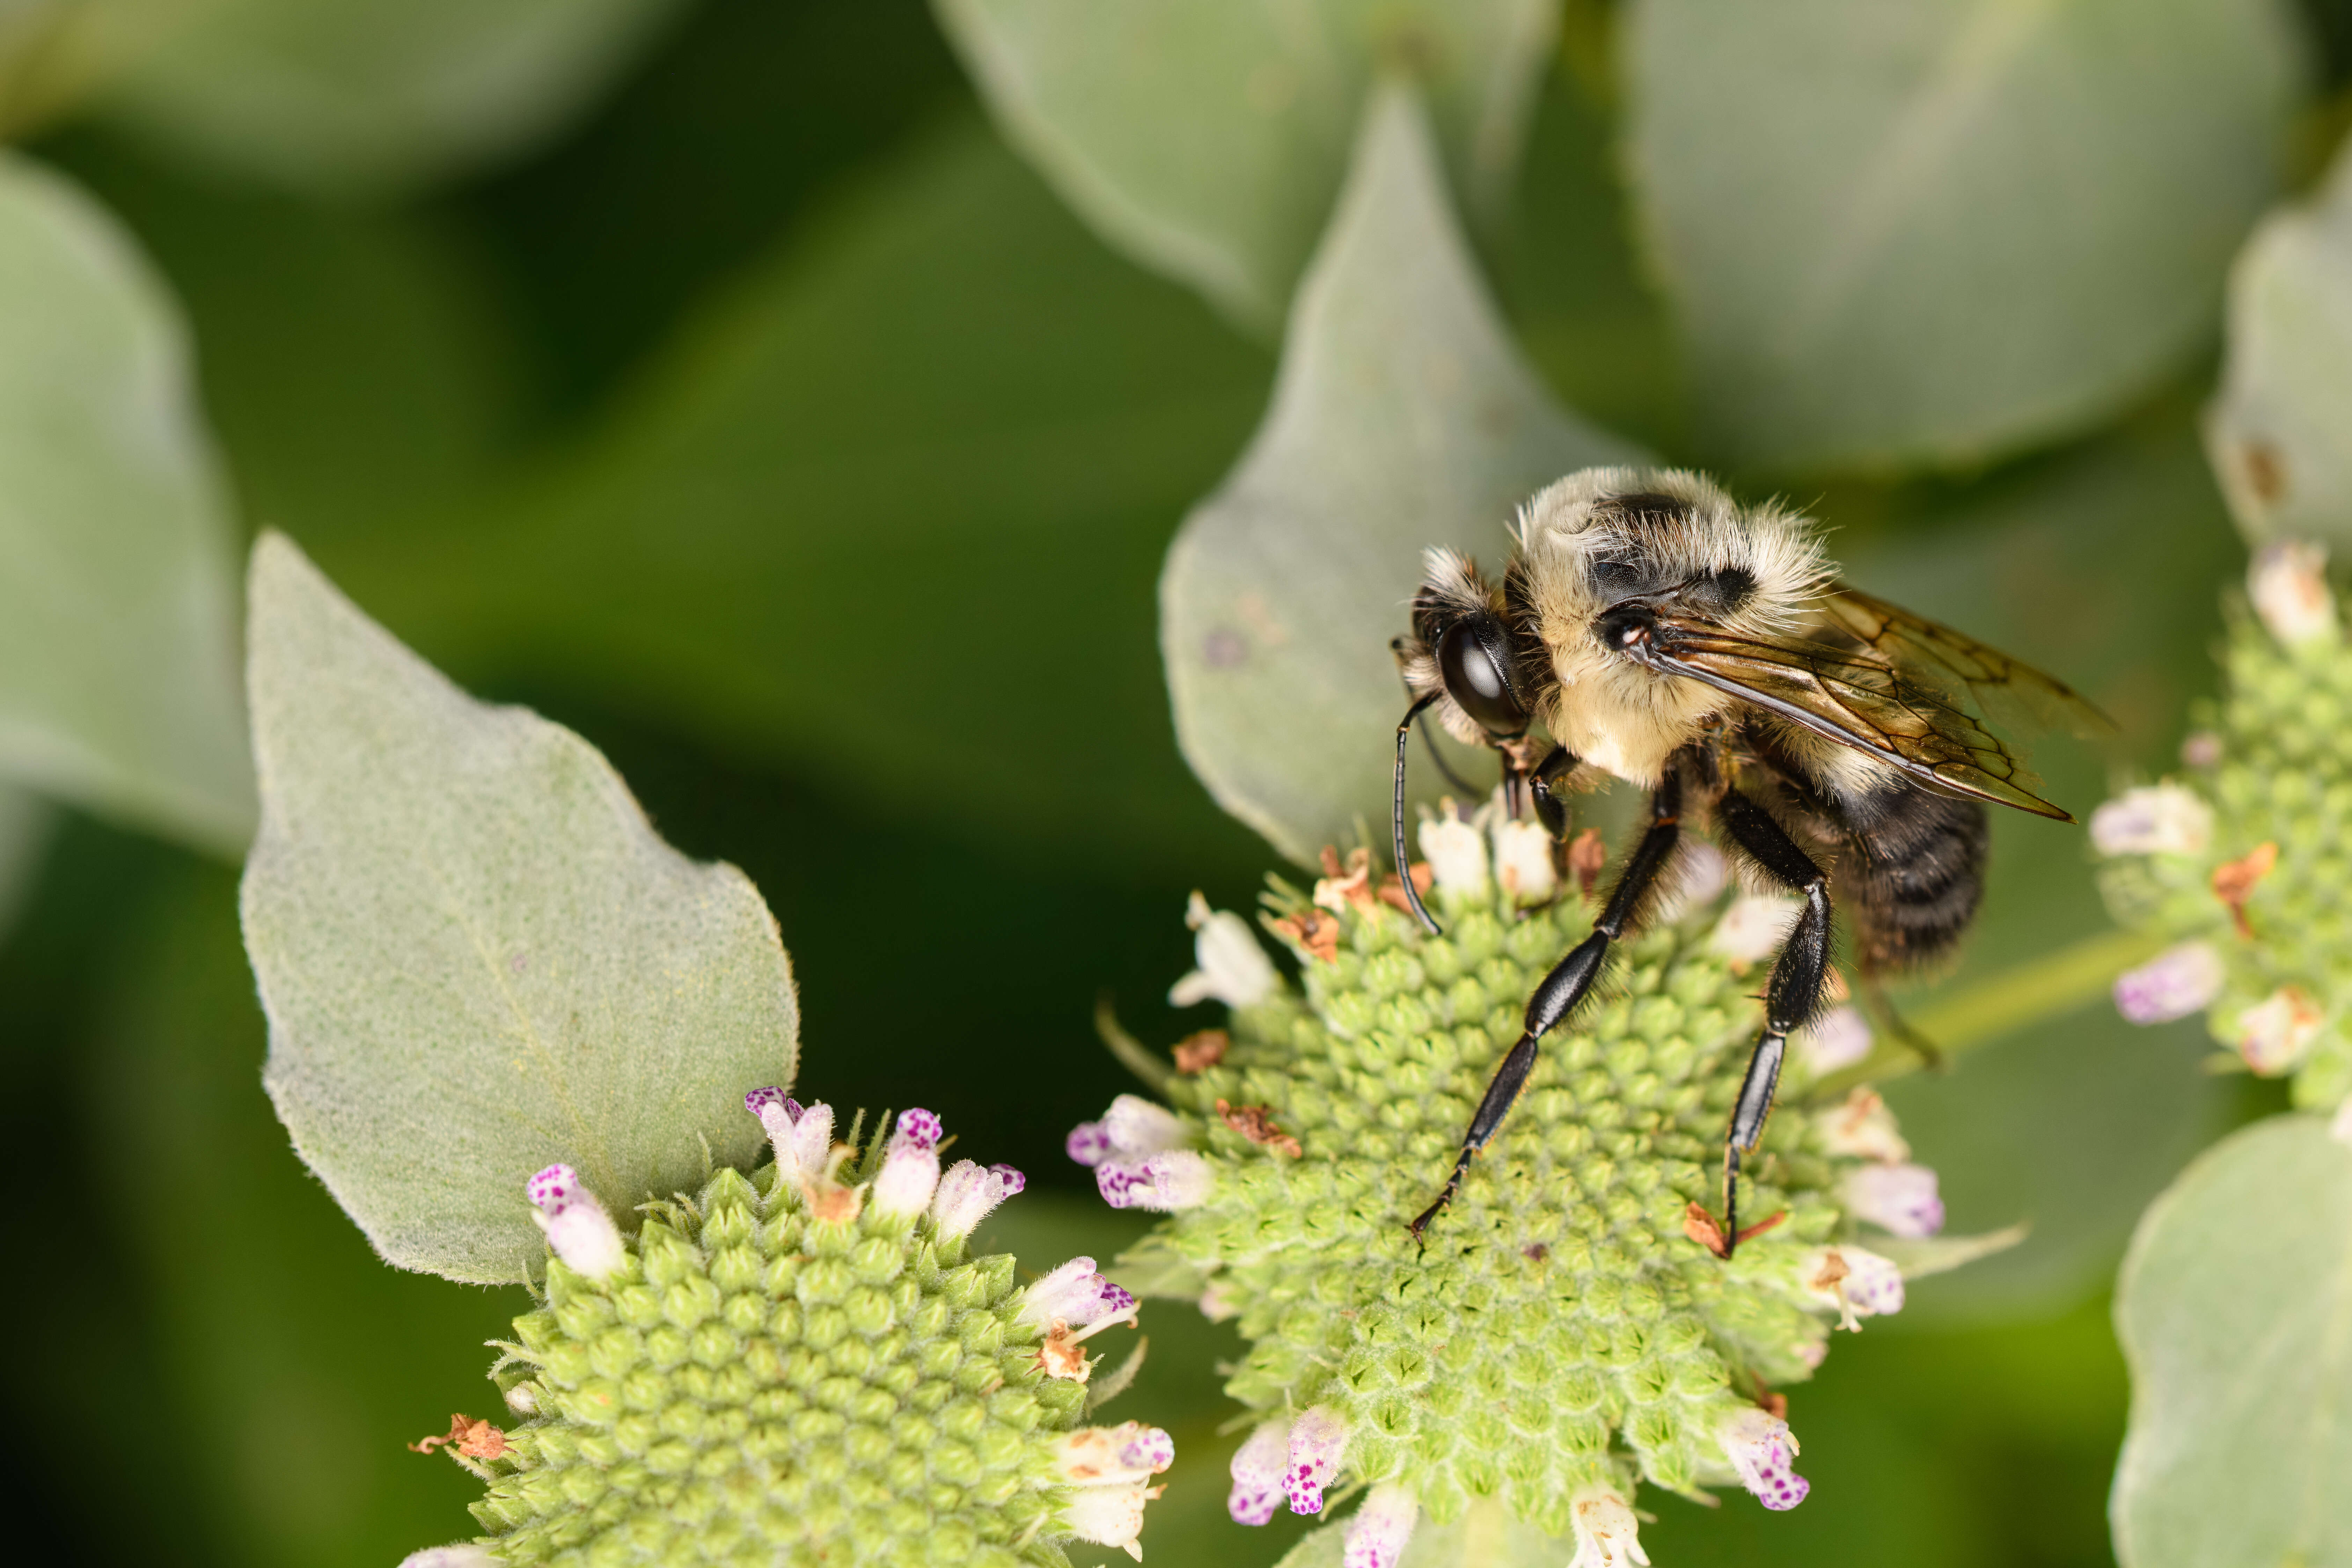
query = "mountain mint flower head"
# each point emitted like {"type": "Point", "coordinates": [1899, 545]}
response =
{"type": "Point", "coordinates": [1566, 1334]}
{"type": "Point", "coordinates": [803, 1367]}
{"type": "Point", "coordinates": [2243, 864]}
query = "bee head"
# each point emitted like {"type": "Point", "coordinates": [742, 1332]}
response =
{"type": "Point", "coordinates": [1464, 654]}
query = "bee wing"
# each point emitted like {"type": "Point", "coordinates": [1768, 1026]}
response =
{"type": "Point", "coordinates": [1902, 689]}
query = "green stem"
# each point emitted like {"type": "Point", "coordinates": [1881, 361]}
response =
{"type": "Point", "coordinates": [2002, 1004]}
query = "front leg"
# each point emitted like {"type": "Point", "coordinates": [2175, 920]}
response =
{"type": "Point", "coordinates": [1567, 983]}
{"type": "Point", "coordinates": [1792, 998]}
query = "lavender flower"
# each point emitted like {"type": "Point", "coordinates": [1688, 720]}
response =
{"type": "Point", "coordinates": [2153, 819]}
{"type": "Point", "coordinates": [1607, 1535]}
{"type": "Point", "coordinates": [1318, 1441]}
{"type": "Point", "coordinates": [1763, 1450]}
{"type": "Point", "coordinates": [968, 1193]}
{"type": "Point", "coordinates": [577, 1227]}
{"type": "Point", "coordinates": [1178, 1179]}
{"type": "Point", "coordinates": [1077, 1294]}
{"type": "Point", "coordinates": [910, 1166]}
{"type": "Point", "coordinates": [2173, 985]}
{"type": "Point", "coordinates": [1257, 1469]}
{"type": "Point", "coordinates": [1378, 1531]}
{"type": "Point", "coordinates": [1109, 1470]}
{"type": "Point", "coordinates": [1900, 1199]}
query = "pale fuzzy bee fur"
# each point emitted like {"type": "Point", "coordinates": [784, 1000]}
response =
{"type": "Point", "coordinates": [1609, 712]}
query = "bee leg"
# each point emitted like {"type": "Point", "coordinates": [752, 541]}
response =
{"type": "Point", "coordinates": [1790, 999]}
{"type": "Point", "coordinates": [1570, 979]}
{"type": "Point", "coordinates": [1543, 779]}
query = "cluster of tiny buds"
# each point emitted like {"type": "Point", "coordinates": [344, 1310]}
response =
{"type": "Point", "coordinates": [1108, 1468]}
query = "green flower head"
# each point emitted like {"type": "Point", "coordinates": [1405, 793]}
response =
{"type": "Point", "coordinates": [1568, 1331]}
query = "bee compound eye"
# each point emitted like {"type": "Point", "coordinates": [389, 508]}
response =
{"type": "Point", "coordinates": [1474, 677]}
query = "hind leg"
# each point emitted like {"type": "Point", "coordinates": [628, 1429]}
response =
{"type": "Point", "coordinates": [1792, 998]}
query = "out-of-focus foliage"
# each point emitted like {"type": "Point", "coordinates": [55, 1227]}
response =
{"type": "Point", "coordinates": [1402, 418]}
{"type": "Point", "coordinates": [2235, 1312]}
{"type": "Point", "coordinates": [1907, 230]}
{"type": "Point", "coordinates": [24, 824]}
{"type": "Point", "coordinates": [2280, 430]}
{"type": "Point", "coordinates": [117, 680]}
{"type": "Point", "coordinates": [1208, 140]}
{"type": "Point", "coordinates": [470, 941]}
{"type": "Point", "coordinates": [781, 433]}
{"type": "Point", "coordinates": [358, 96]}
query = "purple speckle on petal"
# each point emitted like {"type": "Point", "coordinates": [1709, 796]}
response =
{"type": "Point", "coordinates": [1116, 1298]}
{"type": "Point", "coordinates": [1088, 1144]}
{"type": "Point", "coordinates": [919, 1128]}
{"type": "Point", "coordinates": [1011, 1180]}
{"type": "Point", "coordinates": [759, 1099]}
{"type": "Point", "coordinates": [552, 1188]}
{"type": "Point", "coordinates": [1152, 1449]}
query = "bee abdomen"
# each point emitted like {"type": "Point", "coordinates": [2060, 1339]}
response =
{"type": "Point", "coordinates": [1914, 873]}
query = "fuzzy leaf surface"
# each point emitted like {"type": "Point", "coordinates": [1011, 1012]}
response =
{"type": "Point", "coordinates": [2281, 432]}
{"type": "Point", "coordinates": [368, 95]}
{"type": "Point", "coordinates": [1403, 418]}
{"type": "Point", "coordinates": [476, 955]}
{"type": "Point", "coordinates": [118, 677]}
{"type": "Point", "coordinates": [2234, 1309]}
{"type": "Point", "coordinates": [1908, 230]}
{"type": "Point", "coordinates": [1208, 140]}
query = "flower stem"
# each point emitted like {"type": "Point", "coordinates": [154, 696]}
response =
{"type": "Point", "coordinates": [2001, 1004]}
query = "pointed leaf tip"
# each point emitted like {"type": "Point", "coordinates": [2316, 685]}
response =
{"type": "Point", "coordinates": [477, 957]}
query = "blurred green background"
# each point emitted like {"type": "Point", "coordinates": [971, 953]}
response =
{"type": "Point", "coordinates": [776, 428]}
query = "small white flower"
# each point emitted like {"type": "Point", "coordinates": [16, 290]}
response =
{"type": "Point", "coordinates": [1378, 1531]}
{"type": "Point", "coordinates": [2153, 819]}
{"type": "Point", "coordinates": [464, 1554]}
{"type": "Point", "coordinates": [1457, 853]}
{"type": "Point", "coordinates": [1762, 1451]}
{"type": "Point", "coordinates": [2288, 584]}
{"type": "Point", "coordinates": [1233, 968]}
{"type": "Point", "coordinates": [1166, 1183]}
{"type": "Point", "coordinates": [1865, 1129]}
{"type": "Point", "coordinates": [1900, 1199]}
{"type": "Point", "coordinates": [1523, 862]}
{"type": "Point", "coordinates": [1258, 1467]}
{"type": "Point", "coordinates": [910, 1167]}
{"type": "Point", "coordinates": [2274, 1033]}
{"type": "Point", "coordinates": [2173, 985]}
{"type": "Point", "coordinates": [1837, 1038]}
{"type": "Point", "coordinates": [968, 1193]}
{"type": "Point", "coordinates": [521, 1400]}
{"type": "Point", "coordinates": [1077, 1294]}
{"type": "Point", "coordinates": [1857, 1282]}
{"type": "Point", "coordinates": [1318, 1440]}
{"type": "Point", "coordinates": [577, 1227]}
{"type": "Point", "coordinates": [1136, 1127]}
{"type": "Point", "coordinates": [1754, 927]}
{"type": "Point", "coordinates": [1109, 1470]}
{"type": "Point", "coordinates": [2340, 1128]}
{"type": "Point", "coordinates": [1607, 1534]}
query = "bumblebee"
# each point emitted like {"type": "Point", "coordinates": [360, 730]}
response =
{"type": "Point", "coordinates": [1659, 633]}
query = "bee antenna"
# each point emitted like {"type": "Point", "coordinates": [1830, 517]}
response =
{"type": "Point", "coordinates": [1396, 815]}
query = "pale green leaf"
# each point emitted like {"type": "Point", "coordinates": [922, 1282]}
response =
{"type": "Point", "coordinates": [1401, 418]}
{"type": "Point", "coordinates": [2235, 1312]}
{"type": "Point", "coordinates": [1935, 229]}
{"type": "Point", "coordinates": [1486, 1536]}
{"type": "Point", "coordinates": [476, 955]}
{"type": "Point", "coordinates": [1209, 139]}
{"type": "Point", "coordinates": [117, 684]}
{"type": "Point", "coordinates": [367, 94]}
{"type": "Point", "coordinates": [2281, 432]}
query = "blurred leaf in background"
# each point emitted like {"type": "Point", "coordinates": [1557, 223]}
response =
{"type": "Point", "coordinates": [1403, 417]}
{"type": "Point", "coordinates": [25, 823]}
{"type": "Point", "coordinates": [1209, 140]}
{"type": "Point", "coordinates": [2235, 1308]}
{"type": "Point", "coordinates": [1900, 231]}
{"type": "Point", "coordinates": [360, 97]}
{"type": "Point", "coordinates": [2280, 432]}
{"type": "Point", "coordinates": [117, 683]}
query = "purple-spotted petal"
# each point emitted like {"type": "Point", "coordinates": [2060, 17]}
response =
{"type": "Point", "coordinates": [1378, 1532]}
{"type": "Point", "coordinates": [1088, 1144]}
{"type": "Point", "coordinates": [1763, 1452]}
{"type": "Point", "coordinates": [1318, 1439]}
{"type": "Point", "coordinates": [1258, 1467]}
